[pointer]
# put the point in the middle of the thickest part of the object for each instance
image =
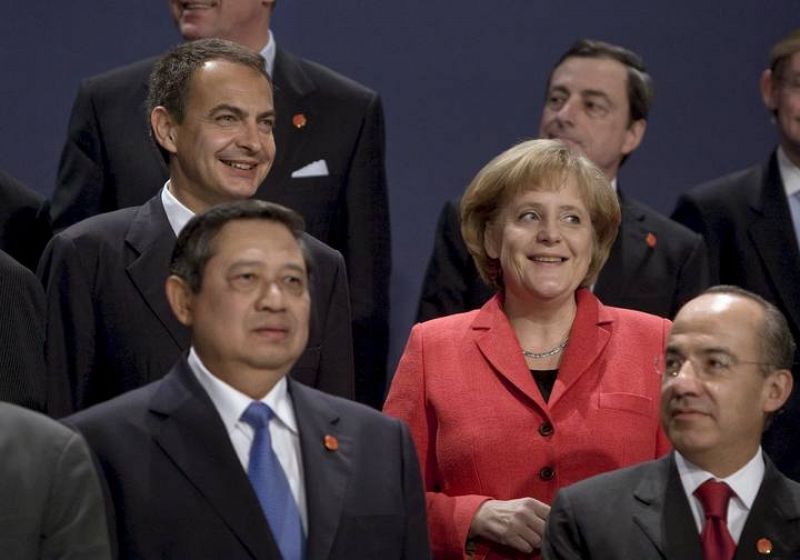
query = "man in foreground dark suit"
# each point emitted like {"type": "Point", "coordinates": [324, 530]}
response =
{"type": "Point", "coordinates": [329, 165]}
{"type": "Point", "coordinates": [726, 372]}
{"type": "Point", "coordinates": [598, 99]}
{"type": "Point", "coordinates": [24, 221]}
{"type": "Point", "coordinates": [186, 464]}
{"type": "Point", "coordinates": [751, 222]}
{"type": "Point", "coordinates": [109, 325]}
{"type": "Point", "coordinates": [51, 504]}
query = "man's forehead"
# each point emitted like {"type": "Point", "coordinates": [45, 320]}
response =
{"type": "Point", "coordinates": [585, 70]}
{"type": "Point", "coordinates": [717, 317]}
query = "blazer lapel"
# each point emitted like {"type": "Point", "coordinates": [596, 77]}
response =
{"type": "Point", "coordinates": [774, 240]}
{"type": "Point", "coordinates": [662, 512]}
{"type": "Point", "coordinates": [152, 240]}
{"type": "Point", "coordinates": [292, 97]}
{"type": "Point", "coordinates": [590, 333]}
{"type": "Point", "coordinates": [327, 469]}
{"type": "Point", "coordinates": [499, 345]}
{"type": "Point", "coordinates": [193, 436]}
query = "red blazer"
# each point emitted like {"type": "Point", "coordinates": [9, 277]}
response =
{"type": "Point", "coordinates": [483, 431]}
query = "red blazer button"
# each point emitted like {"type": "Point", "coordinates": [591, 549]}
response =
{"type": "Point", "coordinates": [547, 473]}
{"type": "Point", "coordinates": [546, 429]}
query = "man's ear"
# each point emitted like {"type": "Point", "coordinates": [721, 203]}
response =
{"type": "Point", "coordinates": [777, 388]}
{"type": "Point", "coordinates": [164, 129]}
{"type": "Point", "coordinates": [634, 136]}
{"type": "Point", "coordinates": [180, 297]}
{"type": "Point", "coordinates": [767, 87]}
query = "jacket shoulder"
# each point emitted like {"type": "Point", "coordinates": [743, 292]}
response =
{"type": "Point", "coordinates": [722, 189]}
{"type": "Point", "coordinates": [119, 79]}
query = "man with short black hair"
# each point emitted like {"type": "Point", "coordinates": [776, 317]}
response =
{"type": "Point", "coordinates": [726, 372]}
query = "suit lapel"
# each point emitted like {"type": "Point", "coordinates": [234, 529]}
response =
{"type": "Point", "coordinates": [327, 471]}
{"type": "Point", "coordinates": [499, 345]}
{"type": "Point", "coordinates": [774, 240]}
{"type": "Point", "coordinates": [152, 240]}
{"type": "Point", "coordinates": [292, 97]}
{"type": "Point", "coordinates": [662, 512]}
{"type": "Point", "coordinates": [193, 436]}
{"type": "Point", "coordinates": [775, 516]}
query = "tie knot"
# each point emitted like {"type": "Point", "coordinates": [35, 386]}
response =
{"type": "Point", "coordinates": [257, 415]}
{"type": "Point", "coordinates": [714, 497]}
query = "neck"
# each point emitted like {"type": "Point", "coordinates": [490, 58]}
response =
{"type": "Point", "coordinates": [188, 198]}
{"type": "Point", "coordinates": [792, 151]}
{"type": "Point", "coordinates": [722, 465]}
{"type": "Point", "coordinates": [540, 326]}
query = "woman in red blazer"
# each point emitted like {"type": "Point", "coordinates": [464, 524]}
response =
{"type": "Point", "coordinates": [544, 385]}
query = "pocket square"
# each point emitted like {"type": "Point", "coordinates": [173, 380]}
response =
{"type": "Point", "coordinates": [317, 168]}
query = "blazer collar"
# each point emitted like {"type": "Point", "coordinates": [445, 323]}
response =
{"type": "Point", "coordinates": [328, 449]}
{"type": "Point", "coordinates": [191, 433]}
{"type": "Point", "coordinates": [151, 239]}
{"type": "Point", "coordinates": [497, 341]}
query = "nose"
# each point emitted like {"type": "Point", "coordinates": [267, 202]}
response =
{"type": "Point", "coordinates": [549, 232]}
{"type": "Point", "coordinates": [249, 137]}
{"type": "Point", "coordinates": [685, 380]}
{"type": "Point", "coordinates": [271, 297]}
{"type": "Point", "coordinates": [566, 112]}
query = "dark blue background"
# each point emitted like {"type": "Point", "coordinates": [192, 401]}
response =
{"type": "Point", "coordinates": [461, 81]}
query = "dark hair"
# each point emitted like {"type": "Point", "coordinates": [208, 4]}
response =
{"type": "Point", "coordinates": [171, 77]}
{"type": "Point", "coordinates": [777, 343]}
{"type": "Point", "coordinates": [640, 84]}
{"type": "Point", "coordinates": [195, 243]}
{"type": "Point", "coordinates": [782, 52]}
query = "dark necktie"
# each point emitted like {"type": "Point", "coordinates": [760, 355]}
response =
{"type": "Point", "coordinates": [271, 486]}
{"type": "Point", "coordinates": [715, 537]}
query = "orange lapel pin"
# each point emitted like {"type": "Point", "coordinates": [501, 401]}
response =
{"type": "Point", "coordinates": [330, 442]}
{"type": "Point", "coordinates": [299, 120]}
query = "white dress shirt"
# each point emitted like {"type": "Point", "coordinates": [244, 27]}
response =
{"type": "Point", "coordinates": [790, 173]}
{"type": "Point", "coordinates": [231, 404]}
{"type": "Point", "coordinates": [745, 484]}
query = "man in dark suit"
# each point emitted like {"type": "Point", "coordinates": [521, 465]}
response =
{"type": "Point", "coordinates": [346, 476]}
{"type": "Point", "coordinates": [598, 99]}
{"type": "Point", "coordinates": [24, 221]}
{"type": "Point", "coordinates": [329, 165]}
{"type": "Point", "coordinates": [51, 504]}
{"type": "Point", "coordinates": [23, 378]}
{"type": "Point", "coordinates": [751, 220]}
{"type": "Point", "coordinates": [109, 325]}
{"type": "Point", "coordinates": [726, 372]}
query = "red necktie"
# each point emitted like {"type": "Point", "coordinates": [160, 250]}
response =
{"type": "Point", "coordinates": [715, 538]}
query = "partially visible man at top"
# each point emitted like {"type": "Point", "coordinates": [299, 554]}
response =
{"type": "Point", "coordinates": [751, 222]}
{"type": "Point", "coordinates": [597, 100]}
{"type": "Point", "coordinates": [240, 461]}
{"type": "Point", "coordinates": [24, 221]}
{"type": "Point", "coordinates": [717, 496]}
{"type": "Point", "coordinates": [110, 328]}
{"type": "Point", "coordinates": [329, 165]}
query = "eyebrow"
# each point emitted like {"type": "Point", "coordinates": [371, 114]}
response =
{"type": "Point", "coordinates": [238, 111]}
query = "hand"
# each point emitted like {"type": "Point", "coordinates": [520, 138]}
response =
{"type": "Point", "coordinates": [518, 524]}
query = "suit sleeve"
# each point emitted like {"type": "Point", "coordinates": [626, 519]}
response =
{"type": "Point", "coordinates": [689, 213]}
{"type": "Point", "coordinates": [694, 275]}
{"type": "Point", "coordinates": [449, 517]}
{"type": "Point", "coordinates": [416, 543]}
{"type": "Point", "coordinates": [80, 179]}
{"type": "Point", "coordinates": [562, 537]}
{"type": "Point", "coordinates": [336, 356]}
{"type": "Point", "coordinates": [75, 525]}
{"type": "Point", "coordinates": [70, 336]}
{"type": "Point", "coordinates": [368, 256]}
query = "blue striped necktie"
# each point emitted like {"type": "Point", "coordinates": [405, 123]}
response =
{"type": "Point", "coordinates": [271, 486]}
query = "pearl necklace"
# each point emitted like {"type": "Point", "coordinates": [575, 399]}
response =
{"type": "Point", "coordinates": [547, 353]}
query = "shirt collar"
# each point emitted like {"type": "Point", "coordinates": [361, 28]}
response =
{"type": "Point", "coordinates": [745, 482]}
{"type": "Point", "coordinates": [177, 214]}
{"type": "Point", "coordinates": [790, 173]}
{"type": "Point", "coordinates": [614, 184]}
{"type": "Point", "coordinates": [231, 403]}
{"type": "Point", "coordinates": [268, 52]}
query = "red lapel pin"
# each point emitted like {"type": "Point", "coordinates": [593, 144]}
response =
{"type": "Point", "coordinates": [651, 240]}
{"type": "Point", "coordinates": [299, 120]}
{"type": "Point", "coordinates": [330, 442]}
{"type": "Point", "coordinates": [764, 546]}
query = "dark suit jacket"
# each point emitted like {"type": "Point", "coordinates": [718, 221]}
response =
{"type": "Point", "coordinates": [180, 491]}
{"type": "Point", "coordinates": [643, 512]}
{"type": "Point", "coordinates": [22, 330]}
{"type": "Point", "coordinates": [51, 505]}
{"type": "Point", "coordinates": [748, 228]}
{"type": "Point", "coordinates": [109, 162]}
{"type": "Point", "coordinates": [24, 221]}
{"type": "Point", "coordinates": [109, 325]}
{"type": "Point", "coordinates": [656, 279]}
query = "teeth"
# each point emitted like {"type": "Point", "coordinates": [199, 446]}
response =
{"type": "Point", "coordinates": [547, 259]}
{"type": "Point", "coordinates": [237, 165]}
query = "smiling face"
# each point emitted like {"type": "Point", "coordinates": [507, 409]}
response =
{"type": "Point", "coordinates": [224, 147]}
{"type": "Point", "coordinates": [587, 107]}
{"type": "Point", "coordinates": [242, 21]}
{"type": "Point", "coordinates": [715, 396]}
{"type": "Point", "coordinates": [544, 241]}
{"type": "Point", "coordinates": [249, 319]}
{"type": "Point", "coordinates": [782, 96]}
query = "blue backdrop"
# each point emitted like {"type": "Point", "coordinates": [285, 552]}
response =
{"type": "Point", "coordinates": [461, 81]}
